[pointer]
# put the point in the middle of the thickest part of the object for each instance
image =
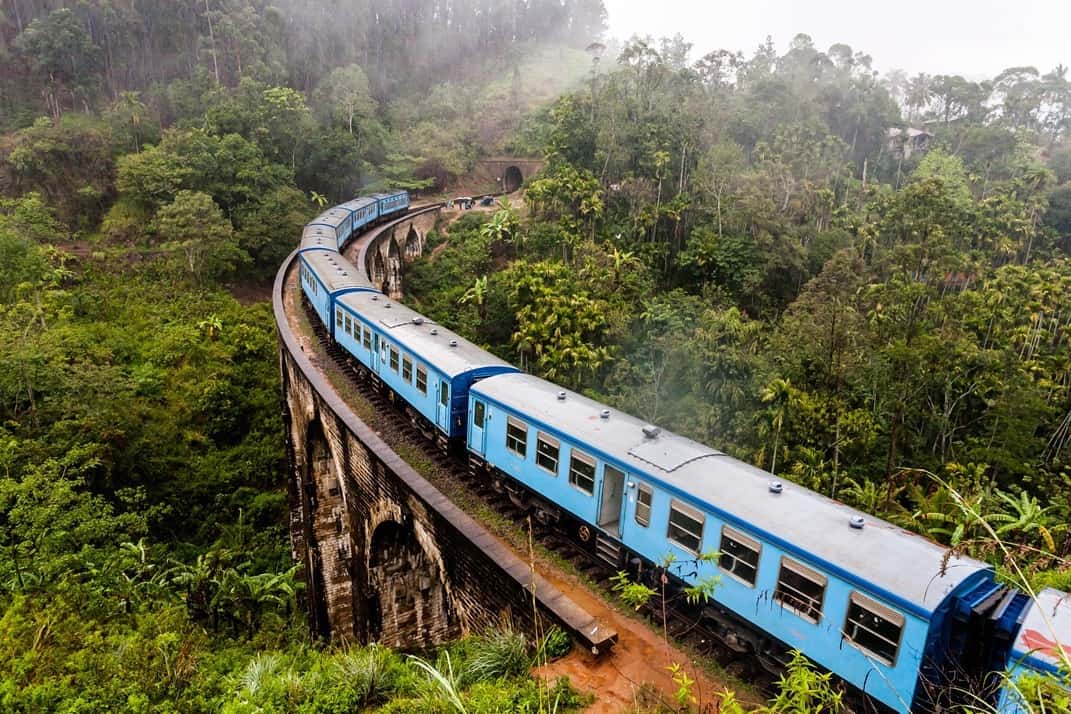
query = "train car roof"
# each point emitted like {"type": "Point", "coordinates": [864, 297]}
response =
{"type": "Point", "coordinates": [883, 558]}
{"type": "Point", "coordinates": [358, 203]}
{"type": "Point", "coordinates": [422, 337]}
{"type": "Point", "coordinates": [316, 236]}
{"type": "Point", "coordinates": [387, 194]}
{"type": "Point", "coordinates": [1046, 627]}
{"type": "Point", "coordinates": [331, 217]}
{"type": "Point", "coordinates": [334, 271]}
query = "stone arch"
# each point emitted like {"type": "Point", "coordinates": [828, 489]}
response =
{"type": "Point", "coordinates": [328, 563]}
{"type": "Point", "coordinates": [413, 244]}
{"type": "Point", "coordinates": [512, 179]}
{"type": "Point", "coordinates": [393, 280]}
{"type": "Point", "coordinates": [406, 599]}
{"type": "Point", "coordinates": [378, 267]}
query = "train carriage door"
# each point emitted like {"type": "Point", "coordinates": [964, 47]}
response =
{"type": "Point", "coordinates": [373, 357]}
{"type": "Point", "coordinates": [442, 409]}
{"type": "Point", "coordinates": [613, 489]}
{"type": "Point", "coordinates": [476, 429]}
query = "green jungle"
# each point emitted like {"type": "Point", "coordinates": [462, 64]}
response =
{"type": "Point", "coordinates": [760, 251]}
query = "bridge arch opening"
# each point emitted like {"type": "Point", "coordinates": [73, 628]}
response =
{"type": "Point", "coordinates": [405, 598]}
{"type": "Point", "coordinates": [412, 244]}
{"type": "Point", "coordinates": [512, 179]}
{"type": "Point", "coordinates": [317, 467]}
{"type": "Point", "coordinates": [379, 270]}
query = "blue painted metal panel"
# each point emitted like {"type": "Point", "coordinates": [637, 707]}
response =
{"type": "Point", "coordinates": [316, 292]}
{"type": "Point", "coordinates": [894, 685]}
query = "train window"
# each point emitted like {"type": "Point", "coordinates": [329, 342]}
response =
{"type": "Point", "coordinates": [739, 555]}
{"type": "Point", "coordinates": [407, 368]}
{"type": "Point", "coordinates": [547, 450]}
{"type": "Point", "coordinates": [800, 589]}
{"type": "Point", "coordinates": [421, 379]}
{"type": "Point", "coordinates": [477, 414]}
{"type": "Point", "coordinates": [367, 340]}
{"type": "Point", "coordinates": [582, 471]}
{"type": "Point", "coordinates": [349, 326]}
{"type": "Point", "coordinates": [393, 359]}
{"type": "Point", "coordinates": [338, 319]}
{"type": "Point", "coordinates": [517, 437]}
{"type": "Point", "coordinates": [685, 526]}
{"type": "Point", "coordinates": [643, 505]}
{"type": "Point", "coordinates": [444, 393]}
{"type": "Point", "coordinates": [873, 628]}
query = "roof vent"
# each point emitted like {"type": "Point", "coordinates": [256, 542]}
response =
{"type": "Point", "coordinates": [375, 297]}
{"type": "Point", "coordinates": [434, 331]}
{"type": "Point", "coordinates": [386, 304]}
{"type": "Point", "coordinates": [604, 414]}
{"type": "Point", "coordinates": [776, 487]}
{"type": "Point", "coordinates": [856, 522]}
{"type": "Point", "coordinates": [651, 431]}
{"type": "Point", "coordinates": [453, 343]}
{"type": "Point", "coordinates": [561, 396]}
{"type": "Point", "coordinates": [418, 320]}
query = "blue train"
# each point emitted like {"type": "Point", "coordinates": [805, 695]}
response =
{"type": "Point", "coordinates": [906, 621]}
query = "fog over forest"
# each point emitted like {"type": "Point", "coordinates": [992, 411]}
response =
{"type": "Point", "coordinates": [853, 277]}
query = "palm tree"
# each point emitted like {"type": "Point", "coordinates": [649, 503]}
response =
{"type": "Point", "coordinates": [778, 393]}
{"type": "Point", "coordinates": [318, 198]}
{"type": "Point", "coordinates": [477, 295]}
{"type": "Point", "coordinates": [1025, 516]}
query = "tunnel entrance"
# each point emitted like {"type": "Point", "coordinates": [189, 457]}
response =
{"type": "Point", "coordinates": [512, 180]}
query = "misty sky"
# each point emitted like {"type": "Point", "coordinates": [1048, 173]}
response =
{"type": "Point", "coordinates": [975, 38]}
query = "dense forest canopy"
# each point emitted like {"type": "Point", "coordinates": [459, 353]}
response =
{"type": "Point", "coordinates": [857, 281]}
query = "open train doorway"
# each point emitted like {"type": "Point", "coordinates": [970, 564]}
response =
{"type": "Point", "coordinates": [613, 488]}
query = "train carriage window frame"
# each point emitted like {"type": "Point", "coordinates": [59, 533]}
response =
{"type": "Point", "coordinates": [732, 552]}
{"type": "Point", "coordinates": [873, 643]}
{"type": "Point", "coordinates": [478, 413]}
{"type": "Point", "coordinates": [517, 437]}
{"type": "Point", "coordinates": [644, 500]}
{"type": "Point", "coordinates": [338, 318]}
{"type": "Point", "coordinates": [582, 470]}
{"type": "Point", "coordinates": [678, 532]}
{"type": "Point", "coordinates": [349, 325]}
{"type": "Point", "coordinates": [548, 453]}
{"type": "Point", "coordinates": [444, 393]}
{"type": "Point", "coordinates": [422, 380]}
{"type": "Point", "coordinates": [407, 369]}
{"type": "Point", "coordinates": [366, 338]}
{"type": "Point", "coordinates": [792, 597]}
{"type": "Point", "coordinates": [394, 359]}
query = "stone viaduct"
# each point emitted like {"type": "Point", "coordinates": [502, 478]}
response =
{"type": "Point", "coordinates": [386, 557]}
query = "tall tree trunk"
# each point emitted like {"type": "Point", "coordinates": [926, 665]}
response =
{"type": "Point", "coordinates": [212, 39]}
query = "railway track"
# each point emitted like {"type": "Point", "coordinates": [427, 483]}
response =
{"type": "Point", "coordinates": [682, 623]}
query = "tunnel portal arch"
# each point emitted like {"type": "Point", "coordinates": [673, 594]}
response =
{"type": "Point", "coordinates": [512, 179]}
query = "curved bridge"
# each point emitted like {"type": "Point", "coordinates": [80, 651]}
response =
{"type": "Point", "coordinates": [386, 556]}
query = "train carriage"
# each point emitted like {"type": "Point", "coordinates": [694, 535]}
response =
{"type": "Point", "coordinates": [424, 363]}
{"type": "Point", "coordinates": [365, 211]}
{"type": "Point", "coordinates": [392, 203]}
{"type": "Point", "coordinates": [1037, 649]}
{"type": "Point", "coordinates": [339, 220]}
{"type": "Point", "coordinates": [317, 237]}
{"type": "Point", "coordinates": [859, 596]}
{"type": "Point", "coordinates": [325, 275]}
